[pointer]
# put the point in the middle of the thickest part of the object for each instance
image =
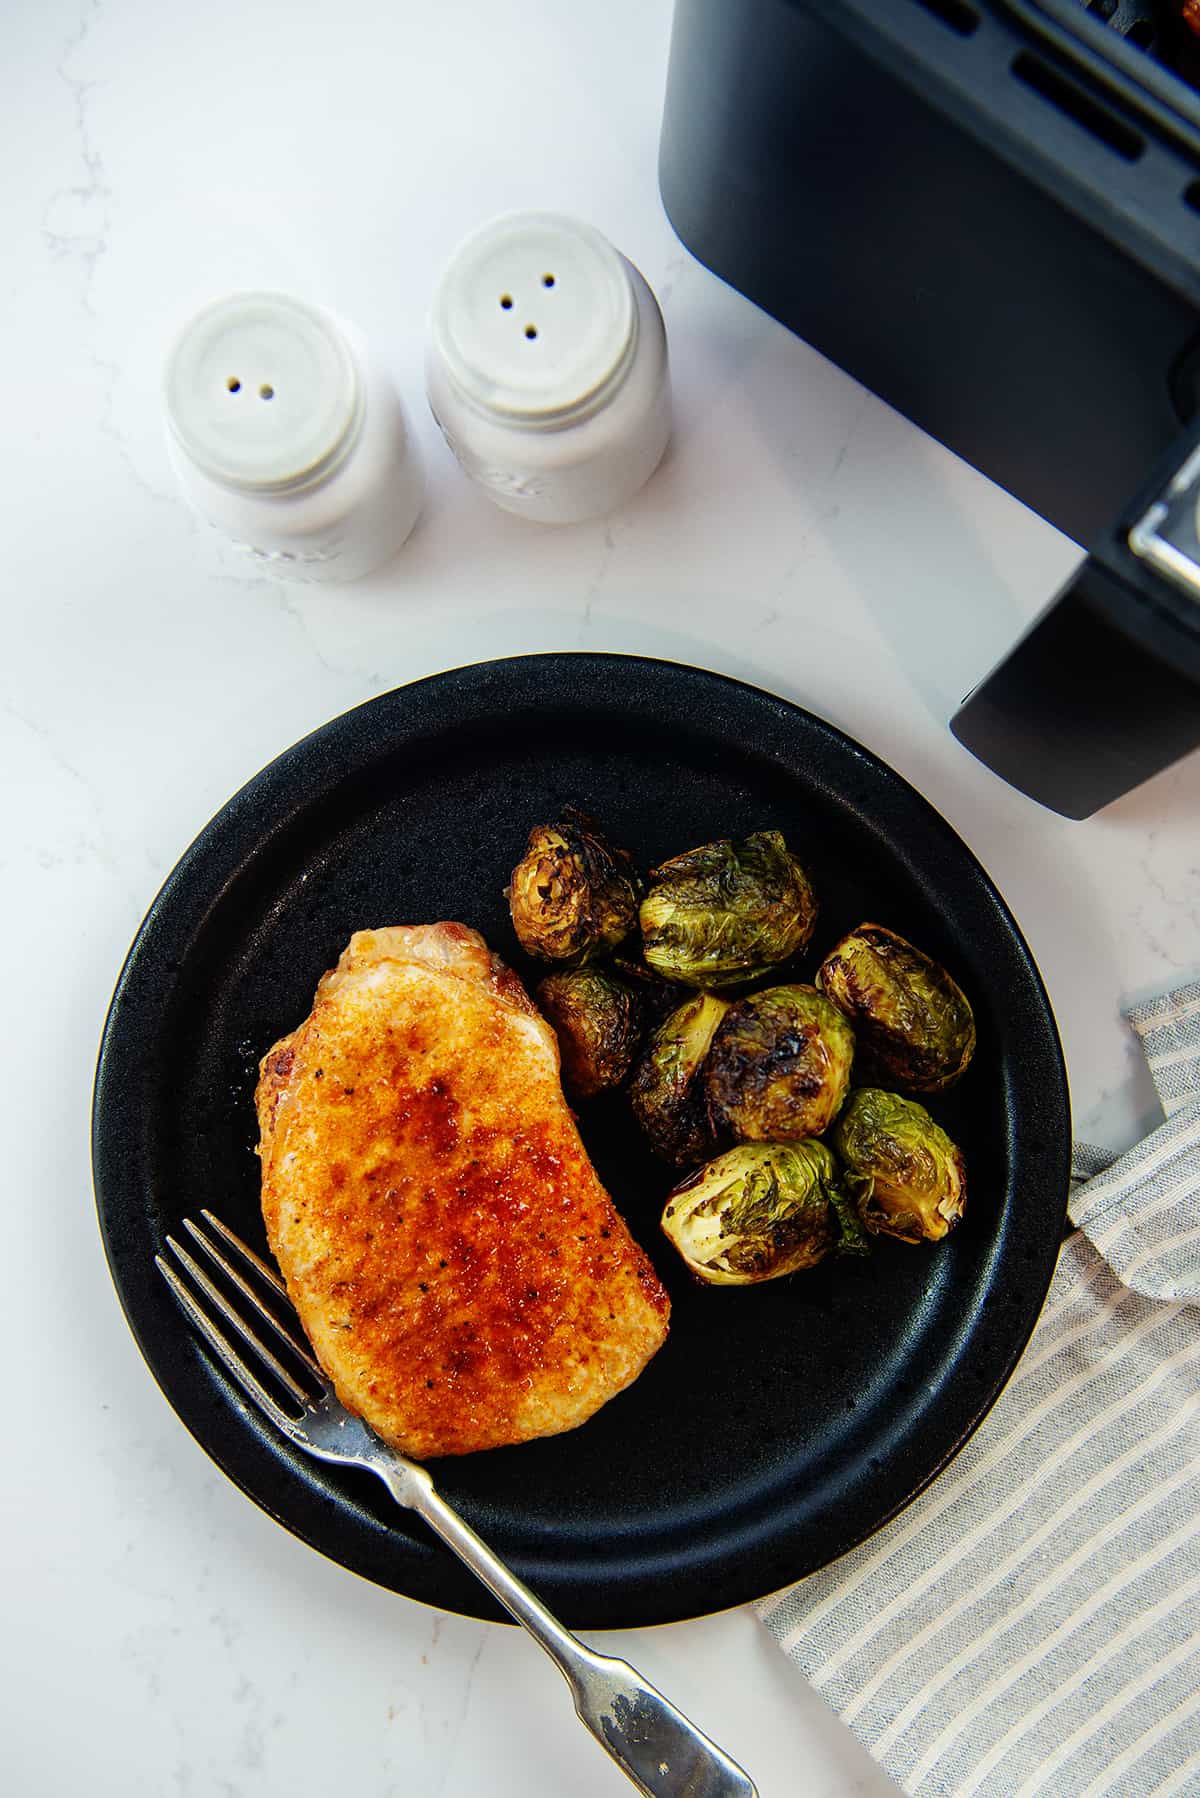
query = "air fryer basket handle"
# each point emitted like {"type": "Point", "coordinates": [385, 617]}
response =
{"type": "Point", "coordinates": [1104, 688]}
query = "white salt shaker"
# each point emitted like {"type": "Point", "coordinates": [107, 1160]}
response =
{"type": "Point", "coordinates": [289, 439]}
{"type": "Point", "coordinates": [547, 368]}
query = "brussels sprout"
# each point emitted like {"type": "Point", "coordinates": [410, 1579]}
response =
{"type": "Point", "coordinates": [597, 1021]}
{"type": "Point", "coordinates": [779, 1066]}
{"type": "Point", "coordinates": [728, 912]}
{"type": "Point", "coordinates": [758, 1211]}
{"type": "Point", "coordinates": [913, 1023]}
{"type": "Point", "coordinates": [908, 1178]}
{"type": "Point", "coordinates": [572, 895]}
{"type": "Point", "coordinates": [667, 1093]}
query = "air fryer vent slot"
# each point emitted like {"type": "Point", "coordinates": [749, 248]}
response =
{"type": "Point", "coordinates": [1078, 105]}
{"type": "Point", "coordinates": [956, 13]}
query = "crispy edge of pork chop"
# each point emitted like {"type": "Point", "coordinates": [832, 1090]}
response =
{"type": "Point", "coordinates": [436, 1307]}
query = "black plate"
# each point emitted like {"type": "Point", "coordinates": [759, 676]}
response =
{"type": "Point", "coordinates": [779, 1425]}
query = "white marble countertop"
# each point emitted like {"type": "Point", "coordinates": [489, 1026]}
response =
{"type": "Point", "coordinates": [162, 1635]}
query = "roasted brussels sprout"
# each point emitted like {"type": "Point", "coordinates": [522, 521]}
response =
{"type": "Point", "coordinates": [572, 895]}
{"type": "Point", "coordinates": [758, 1211]}
{"type": "Point", "coordinates": [912, 1021]}
{"type": "Point", "coordinates": [597, 1021]}
{"type": "Point", "coordinates": [779, 1066]}
{"type": "Point", "coordinates": [667, 1092]}
{"type": "Point", "coordinates": [728, 912]}
{"type": "Point", "coordinates": [907, 1177]}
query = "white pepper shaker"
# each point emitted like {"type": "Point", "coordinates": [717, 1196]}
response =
{"type": "Point", "coordinates": [289, 439]}
{"type": "Point", "coordinates": [547, 368]}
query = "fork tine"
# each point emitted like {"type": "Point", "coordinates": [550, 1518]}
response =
{"type": "Point", "coordinates": [244, 1287]}
{"type": "Point", "coordinates": [226, 1354]}
{"type": "Point", "coordinates": [218, 1300]}
{"type": "Point", "coordinates": [244, 1250]}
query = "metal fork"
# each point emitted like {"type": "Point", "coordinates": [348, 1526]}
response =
{"type": "Point", "coordinates": [654, 1744]}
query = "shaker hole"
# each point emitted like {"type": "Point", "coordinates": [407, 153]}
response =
{"type": "Point", "coordinates": [266, 391]}
{"type": "Point", "coordinates": [233, 384]}
{"type": "Point", "coordinates": [531, 330]}
{"type": "Point", "coordinates": [506, 301]}
{"type": "Point", "coordinates": [547, 280]}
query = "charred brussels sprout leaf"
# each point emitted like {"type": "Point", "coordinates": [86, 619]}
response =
{"type": "Point", "coordinates": [913, 1023]}
{"type": "Point", "coordinates": [667, 1092]}
{"type": "Point", "coordinates": [853, 1237]}
{"type": "Point", "coordinates": [572, 895]}
{"type": "Point", "coordinates": [597, 1021]}
{"type": "Point", "coordinates": [908, 1177]}
{"type": "Point", "coordinates": [725, 913]}
{"type": "Point", "coordinates": [755, 1213]}
{"type": "Point", "coordinates": [779, 1066]}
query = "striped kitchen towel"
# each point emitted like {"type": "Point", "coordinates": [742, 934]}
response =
{"type": "Point", "coordinates": [1030, 1626]}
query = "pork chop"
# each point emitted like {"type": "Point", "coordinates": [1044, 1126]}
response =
{"type": "Point", "coordinates": [464, 1278]}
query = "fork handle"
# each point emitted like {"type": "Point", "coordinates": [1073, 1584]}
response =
{"type": "Point", "coordinates": [653, 1743]}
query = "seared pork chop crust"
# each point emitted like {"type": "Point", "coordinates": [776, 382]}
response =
{"type": "Point", "coordinates": [462, 1274]}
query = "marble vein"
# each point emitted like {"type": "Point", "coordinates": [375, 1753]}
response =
{"type": "Point", "coordinates": [85, 207]}
{"type": "Point", "coordinates": [76, 223]}
{"type": "Point", "coordinates": [607, 551]}
{"type": "Point", "coordinates": [94, 844]}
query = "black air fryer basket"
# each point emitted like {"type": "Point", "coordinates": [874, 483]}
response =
{"type": "Point", "coordinates": [988, 211]}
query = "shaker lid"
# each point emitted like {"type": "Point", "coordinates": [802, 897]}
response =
{"type": "Point", "coordinates": [535, 317]}
{"type": "Point", "coordinates": [262, 392]}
